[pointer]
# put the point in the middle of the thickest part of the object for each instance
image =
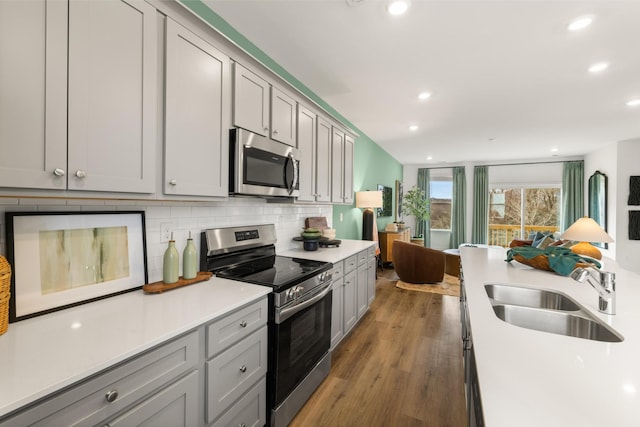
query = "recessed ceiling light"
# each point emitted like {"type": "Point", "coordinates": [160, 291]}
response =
{"type": "Point", "coordinates": [397, 7]}
{"type": "Point", "coordinates": [633, 102]}
{"type": "Point", "coordinates": [429, 157]}
{"type": "Point", "coordinates": [413, 128]}
{"type": "Point", "coordinates": [580, 23]}
{"type": "Point", "coordinates": [424, 95]}
{"type": "Point", "coordinates": [600, 66]}
{"type": "Point", "coordinates": [554, 149]}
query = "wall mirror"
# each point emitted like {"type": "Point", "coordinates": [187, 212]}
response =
{"type": "Point", "coordinates": [598, 201]}
{"type": "Point", "coordinates": [387, 200]}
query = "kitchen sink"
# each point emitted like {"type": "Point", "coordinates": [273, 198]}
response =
{"type": "Point", "coordinates": [578, 324]}
{"type": "Point", "coordinates": [529, 297]}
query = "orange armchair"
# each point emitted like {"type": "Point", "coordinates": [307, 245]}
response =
{"type": "Point", "coordinates": [417, 264]}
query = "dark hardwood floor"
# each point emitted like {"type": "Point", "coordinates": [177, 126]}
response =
{"type": "Point", "coordinates": [400, 366]}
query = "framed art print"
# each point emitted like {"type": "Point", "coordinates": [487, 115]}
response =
{"type": "Point", "coordinates": [63, 259]}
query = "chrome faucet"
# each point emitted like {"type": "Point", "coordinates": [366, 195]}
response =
{"type": "Point", "coordinates": [603, 282]}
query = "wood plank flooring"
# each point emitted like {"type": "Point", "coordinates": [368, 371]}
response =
{"type": "Point", "coordinates": [400, 366]}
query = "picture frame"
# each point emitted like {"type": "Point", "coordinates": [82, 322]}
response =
{"type": "Point", "coordinates": [387, 196]}
{"type": "Point", "coordinates": [399, 194]}
{"type": "Point", "coordinates": [64, 259]}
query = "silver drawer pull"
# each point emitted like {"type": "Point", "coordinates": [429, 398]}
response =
{"type": "Point", "coordinates": [243, 323]}
{"type": "Point", "coordinates": [242, 425]}
{"type": "Point", "coordinates": [243, 369]}
{"type": "Point", "coordinates": [111, 396]}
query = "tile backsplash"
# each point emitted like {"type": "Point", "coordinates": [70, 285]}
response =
{"type": "Point", "coordinates": [182, 218]}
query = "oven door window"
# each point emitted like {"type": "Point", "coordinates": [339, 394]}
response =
{"type": "Point", "coordinates": [267, 169]}
{"type": "Point", "coordinates": [301, 341]}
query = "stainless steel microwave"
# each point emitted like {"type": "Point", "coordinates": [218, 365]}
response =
{"type": "Point", "coordinates": [261, 166]}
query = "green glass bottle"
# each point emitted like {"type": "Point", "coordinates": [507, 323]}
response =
{"type": "Point", "coordinates": [171, 263]}
{"type": "Point", "coordinates": [189, 260]}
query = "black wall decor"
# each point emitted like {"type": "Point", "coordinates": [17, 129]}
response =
{"type": "Point", "coordinates": [634, 191]}
{"type": "Point", "coordinates": [634, 225]}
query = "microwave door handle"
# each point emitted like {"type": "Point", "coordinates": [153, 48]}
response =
{"type": "Point", "coordinates": [295, 173]}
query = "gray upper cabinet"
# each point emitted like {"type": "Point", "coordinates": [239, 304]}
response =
{"type": "Point", "coordinates": [283, 117]}
{"type": "Point", "coordinates": [78, 105]}
{"type": "Point", "coordinates": [113, 71]}
{"type": "Point", "coordinates": [197, 115]}
{"type": "Point", "coordinates": [33, 84]}
{"type": "Point", "coordinates": [307, 146]}
{"type": "Point", "coordinates": [341, 167]}
{"type": "Point", "coordinates": [250, 101]}
{"type": "Point", "coordinates": [323, 161]}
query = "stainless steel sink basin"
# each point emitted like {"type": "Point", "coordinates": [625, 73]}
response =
{"type": "Point", "coordinates": [578, 324]}
{"type": "Point", "coordinates": [529, 297]}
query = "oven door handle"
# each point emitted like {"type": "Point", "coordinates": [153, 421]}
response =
{"type": "Point", "coordinates": [283, 315]}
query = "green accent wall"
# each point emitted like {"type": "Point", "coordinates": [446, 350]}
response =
{"type": "Point", "coordinates": [372, 165]}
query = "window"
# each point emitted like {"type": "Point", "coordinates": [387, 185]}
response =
{"type": "Point", "coordinates": [514, 213]}
{"type": "Point", "coordinates": [440, 189]}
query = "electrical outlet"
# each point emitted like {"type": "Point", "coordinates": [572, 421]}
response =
{"type": "Point", "coordinates": [166, 228]}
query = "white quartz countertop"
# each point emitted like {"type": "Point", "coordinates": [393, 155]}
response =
{"type": "Point", "coordinates": [41, 355]}
{"type": "Point", "coordinates": [532, 378]}
{"type": "Point", "coordinates": [345, 250]}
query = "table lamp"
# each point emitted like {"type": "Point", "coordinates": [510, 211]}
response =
{"type": "Point", "coordinates": [368, 200]}
{"type": "Point", "coordinates": [586, 230]}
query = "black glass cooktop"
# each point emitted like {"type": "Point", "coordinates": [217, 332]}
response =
{"type": "Point", "coordinates": [279, 272]}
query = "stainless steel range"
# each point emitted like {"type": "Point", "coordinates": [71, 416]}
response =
{"type": "Point", "coordinates": [299, 310]}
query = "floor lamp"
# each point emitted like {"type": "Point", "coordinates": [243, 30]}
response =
{"type": "Point", "coordinates": [369, 200]}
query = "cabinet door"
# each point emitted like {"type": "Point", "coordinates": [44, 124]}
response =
{"type": "Point", "coordinates": [337, 312]}
{"type": "Point", "coordinates": [197, 115]}
{"type": "Point", "coordinates": [112, 96]}
{"type": "Point", "coordinates": [33, 94]}
{"type": "Point", "coordinates": [350, 309]}
{"type": "Point", "coordinates": [323, 161]}
{"type": "Point", "coordinates": [371, 280]}
{"type": "Point", "coordinates": [250, 101]}
{"type": "Point", "coordinates": [283, 117]}
{"type": "Point", "coordinates": [175, 405]}
{"type": "Point", "coordinates": [307, 149]}
{"type": "Point", "coordinates": [362, 291]}
{"type": "Point", "coordinates": [337, 161]}
{"type": "Point", "coordinates": [349, 143]}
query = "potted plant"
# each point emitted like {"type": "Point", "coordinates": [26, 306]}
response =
{"type": "Point", "coordinates": [415, 203]}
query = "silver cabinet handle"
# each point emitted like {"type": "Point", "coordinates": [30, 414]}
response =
{"type": "Point", "coordinates": [243, 369]}
{"type": "Point", "coordinates": [58, 172]}
{"type": "Point", "coordinates": [80, 174]}
{"type": "Point", "coordinates": [243, 323]}
{"type": "Point", "coordinates": [242, 425]}
{"type": "Point", "coordinates": [266, 129]}
{"type": "Point", "coordinates": [111, 396]}
{"type": "Point", "coordinates": [173, 182]}
{"type": "Point", "coordinates": [275, 132]}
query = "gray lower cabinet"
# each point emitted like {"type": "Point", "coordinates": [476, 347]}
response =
{"type": "Point", "coordinates": [354, 285]}
{"type": "Point", "coordinates": [106, 396]}
{"type": "Point", "coordinates": [214, 375]}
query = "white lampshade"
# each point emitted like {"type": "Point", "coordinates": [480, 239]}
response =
{"type": "Point", "coordinates": [369, 199]}
{"type": "Point", "coordinates": [586, 230]}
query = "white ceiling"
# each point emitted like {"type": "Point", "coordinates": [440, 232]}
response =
{"type": "Point", "coordinates": [509, 81]}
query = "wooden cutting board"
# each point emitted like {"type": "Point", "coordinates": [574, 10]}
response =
{"type": "Point", "coordinates": [158, 287]}
{"type": "Point", "coordinates": [319, 222]}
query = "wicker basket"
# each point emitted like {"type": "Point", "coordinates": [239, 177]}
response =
{"type": "Point", "coordinates": [5, 284]}
{"type": "Point", "coordinates": [541, 262]}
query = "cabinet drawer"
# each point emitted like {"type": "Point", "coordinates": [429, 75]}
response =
{"type": "Point", "coordinates": [350, 263]}
{"type": "Point", "coordinates": [338, 270]}
{"type": "Point", "coordinates": [249, 411]}
{"type": "Point", "coordinates": [234, 327]}
{"type": "Point", "coordinates": [232, 373]}
{"type": "Point", "coordinates": [87, 403]}
{"type": "Point", "coordinates": [363, 257]}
